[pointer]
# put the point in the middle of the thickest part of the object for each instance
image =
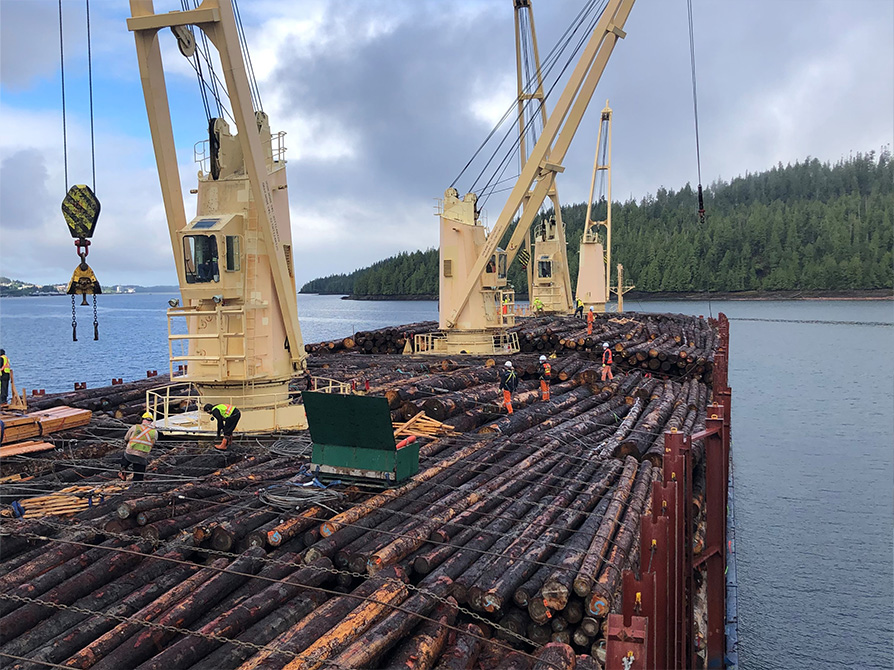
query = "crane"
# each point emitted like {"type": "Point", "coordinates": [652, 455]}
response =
{"type": "Point", "coordinates": [548, 279]}
{"type": "Point", "coordinates": [594, 269]}
{"type": "Point", "coordinates": [472, 275]}
{"type": "Point", "coordinates": [234, 260]}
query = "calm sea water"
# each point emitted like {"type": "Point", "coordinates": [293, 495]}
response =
{"type": "Point", "coordinates": [813, 430]}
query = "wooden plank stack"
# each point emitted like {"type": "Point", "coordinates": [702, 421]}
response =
{"type": "Point", "coordinates": [43, 422]}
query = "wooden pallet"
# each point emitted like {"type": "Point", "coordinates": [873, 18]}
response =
{"type": "Point", "coordinates": [18, 427]}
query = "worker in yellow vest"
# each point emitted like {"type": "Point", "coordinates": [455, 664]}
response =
{"type": "Point", "coordinates": [579, 309]}
{"type": "Point", "coordinates": [227, 417]}
{"type": "Point", "coordinates": [140, 440]}
{"type": "Point", "coordinates": [5, 371]}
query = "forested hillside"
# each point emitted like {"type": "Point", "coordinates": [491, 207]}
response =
{"type": "Point", "coordinates": [807, 226]}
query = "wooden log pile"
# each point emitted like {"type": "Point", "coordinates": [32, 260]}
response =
{"type": "Point", "coordinates": [525, 520]}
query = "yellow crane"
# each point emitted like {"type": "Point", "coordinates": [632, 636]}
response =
{"type": "Point", "coordinates": [234, 263]}
{"type": "Point", "coordinates": [475, 301]}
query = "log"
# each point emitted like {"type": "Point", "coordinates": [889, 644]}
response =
{"type": "Point", "coordinates": [462, 649]}
{"type": "Point", "coordinates": [189, 650]}
{"type": "Point", "coordinates": [588, 571]}
{"type": "Point", "coordinates": [422, 650]}
{"type": "Point", "coordinates": [353, 625]}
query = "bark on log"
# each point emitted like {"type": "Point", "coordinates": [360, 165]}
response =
{"type": "Point", "coordinates": [422, 650]}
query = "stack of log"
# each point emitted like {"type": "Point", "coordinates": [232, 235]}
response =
{"type": "Point", "coordinates": [670, 344]}
{"type": "Point", "coordinates": [525, 520]}
{"type": "Point", "coordinates": [389, 340]}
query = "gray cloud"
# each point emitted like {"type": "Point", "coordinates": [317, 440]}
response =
{"type": "Point", "coordinates": [25, 199]}
{"type": "Point", "coordinates": [385, 93]}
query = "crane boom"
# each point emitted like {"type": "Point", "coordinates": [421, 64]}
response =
{"type": "Point", "coordinates": [549, 151]}
{"type": "Point", "coordinates": [234, 259]}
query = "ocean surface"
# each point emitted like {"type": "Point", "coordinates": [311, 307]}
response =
{"type": "Point", "coordinates": [813, 446]}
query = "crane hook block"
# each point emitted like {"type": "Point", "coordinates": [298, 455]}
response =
{"type": "Point", "coordinates": [80, 208]}
{"type": "Point", "coordinates": [83, 282]}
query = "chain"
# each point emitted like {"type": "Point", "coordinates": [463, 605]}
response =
{"type": "Point", "coordinates": [74, 320]}
{"type": "Point", "coordinates": [331, 570]}
{"type": "Point", "coordinates": [157, 626]}
{"type": "Point", "coordinates": [95, 320]}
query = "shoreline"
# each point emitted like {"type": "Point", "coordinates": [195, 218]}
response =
{"type": "Point", "coordinates": [850, 294]}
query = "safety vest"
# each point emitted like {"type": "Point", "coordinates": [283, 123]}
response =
{"type": "Point", "coordinates": [607, 357]}
{"type": "Point", "coordinates": [4, 364]}
{"type": "Point", "coordinates": [545, 370]}
{"type": "Point", "coordinates": [580, 303]}
{"type": "Point", "coordinates": [143, 440]}
{"type": "Point", "coordinates": [225, 410]}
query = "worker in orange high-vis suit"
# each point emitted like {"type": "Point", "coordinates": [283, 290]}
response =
{"type": "Point", "coordinates": [545, 374]}
{"type": "Point", "coordinates": [606, 362]}
{"type": "Point", "coordinates": [508, 384]}
{"type": "Point", "coordinates": [590, 318]}
{"type": "Point", "coordinates": [140, 440]}
{"type": "Point", "coordinates": [227, 417]}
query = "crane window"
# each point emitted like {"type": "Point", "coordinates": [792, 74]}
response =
{"type": "Point", "coordinates": [200, 259]}
{"type": "Point", "coordinates": [233, 253]}
{"type": "Point", "coordinates": [544, 269]}
{"type": "Point", "coordinates": [501, 266]}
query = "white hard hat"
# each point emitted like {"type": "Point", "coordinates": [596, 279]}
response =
{"type": "Point", "coordinates": [605, 345]}
{"type": "Point", "coordinates": [542, 358]}
{"type": "Point", "coordinates": [591, 309]}
{"type": "Point", "coordinates": [508, 364]}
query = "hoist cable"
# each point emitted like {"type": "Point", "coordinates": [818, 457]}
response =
{"type": "Point", "coordinates": [92, 134]}
{"type": "Point", "coordinates": [197, 66]}
{"type": "Point", "coordinates": [515, 147]}
{"type": "Point", "coordinates": [694, 90]}
{"type": "Point", "coordinates": [250, 69]}
{"type": "Point", "coordinates": [62, 71]}
{"type": "Point", "coordinates": [594, 20]}
{"type": "Point", "coordinates": [549, 59]}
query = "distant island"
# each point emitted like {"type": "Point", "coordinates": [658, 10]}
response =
{"type": "Point", "coordinates": [810, 229]}
{"type": "Point", "coordinates": [12, 288]}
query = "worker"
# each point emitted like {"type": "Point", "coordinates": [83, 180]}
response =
{"type": "Point", "coordinates": [5, 372]}
{"type": "Point", "coordinates": [545, 375]}
{"type": "Point", "coordinates": [227, 417]}
{"type": "Point", "coordinates": [538, 306]}
{"type": "Point", "coordinates": [606, 362]}
{"type": "Point", "coordinates": [508, 384]}
{"type": "Point", "coordinates": [140, 440]}
{"type": "Point", "coordinates": [590, 318]}
{"type": "Point", "coordinates": [505, 305]}
{"type": "Point", "coordinates": [579, 309]}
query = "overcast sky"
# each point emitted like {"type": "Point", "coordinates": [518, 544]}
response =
{"type": "Point", "coordinates": [385, 101]}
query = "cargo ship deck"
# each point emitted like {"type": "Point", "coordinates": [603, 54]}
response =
{"type": "Point", "coordinates": [541, 539]}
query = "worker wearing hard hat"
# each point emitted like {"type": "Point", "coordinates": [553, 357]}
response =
{"type": "Point", "coordinates": [508, 384]}
{"type": "Point", "coordinates": [579, 309]}
{"type": "Point", "coordinates": [590, 318]}
{"type": "Point", "coordinates": [606, 362]}
{"type": "Point", "coordinates": [538, 306]}
{"type": "Point", "coordinates": [227, 417]}
{"type": "Point", "coordinates": [545, 374]}
{"type": "Point", "coordinates": [140, 440]}
{"type": "Point", "coordinates": [5, 371]}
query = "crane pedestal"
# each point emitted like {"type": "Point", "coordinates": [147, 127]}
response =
{"type": "Point", "coordinates": [264, 407]}
{"type": "Point", "coordinates": [456, 342]}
